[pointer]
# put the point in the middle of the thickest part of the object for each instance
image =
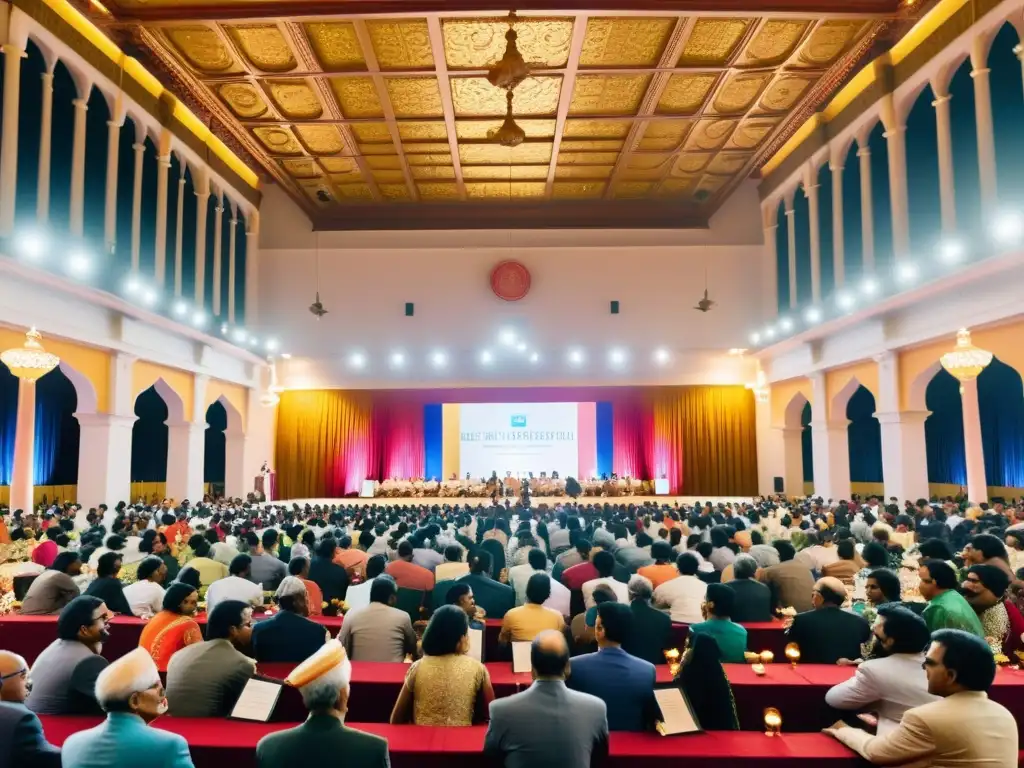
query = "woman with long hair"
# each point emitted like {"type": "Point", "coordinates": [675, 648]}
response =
{"type": "Point", "coordinates": [702, 680]}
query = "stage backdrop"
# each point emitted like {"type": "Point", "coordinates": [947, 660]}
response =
{"type": "Point", "coordinates": [700, 438]}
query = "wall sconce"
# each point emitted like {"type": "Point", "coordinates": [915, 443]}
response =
{"type": "Point", "coordinates": [772, 722]}
{"type": "Point", "coordinates": [793, 653]}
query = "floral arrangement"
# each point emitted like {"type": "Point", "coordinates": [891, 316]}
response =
{"type": "Point", "coordinates": [8, 604]}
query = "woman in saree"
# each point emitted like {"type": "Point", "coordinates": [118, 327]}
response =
{"type": "Point", "coordinates": [702, 680]}
{"type": "Point", "coordinates": [174, 627]}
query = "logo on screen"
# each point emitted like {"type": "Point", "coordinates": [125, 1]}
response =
{"type": "Point", "coordinates": [518, 420]}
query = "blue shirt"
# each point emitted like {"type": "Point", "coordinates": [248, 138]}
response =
{"type": "Point", "coordinates": [624, 682]}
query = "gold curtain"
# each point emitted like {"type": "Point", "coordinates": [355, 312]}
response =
{"type": "Point", "coordinates": [323, 441]}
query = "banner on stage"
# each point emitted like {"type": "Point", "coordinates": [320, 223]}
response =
{"type": "Point", "coordinates": [519, 438]}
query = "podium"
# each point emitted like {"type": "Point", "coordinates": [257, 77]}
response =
{"type": "Point", "coordinates": [661, 486]}
{"type": "Point", "coordinates": [268, 488]}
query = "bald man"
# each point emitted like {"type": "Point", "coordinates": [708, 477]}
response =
{"type": "Point", "coordinates": [22, 744]}
{"type": "Point", "coordinates": [548, 724]}
{"type": "Point", "coordinates": [827, 633]}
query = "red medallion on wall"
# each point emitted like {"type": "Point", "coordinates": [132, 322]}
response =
{"type": "Point", "coordinates": [510, 280]}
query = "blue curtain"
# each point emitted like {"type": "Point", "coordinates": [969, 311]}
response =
{"type": "Point", "coordinates": [1001, 406]}
{"type": "Point", "coordinates": [853, 254]}
{"type": "Point", "coordinates": [805, 440]}
{"type": "Point", "coordinates": [865, 438]}
{"type": "Point", "coordinates": [8, 423]}
{"type": "Point", "coordinates": [215, 446]}
{"type": "Point", "coordinates": [802, 231]}
{"type": "Point", "coordinates": [57, 431]}
{"type": "Point", "coordinates": [782, 258]}
{"type": "Point", "coordinates": [923, 174]}
{"type": "Point", "coordinates": [1007, 115]}
{"type": "Point", "coordinates": [881, 202]}
{"type": "Point", "coordinates": [964, 130]}
{"type": "Point", "coordinates": [149, 439]}
{"type": "Point", "coordinates": [944, 431]}
{"type": "Point", "coordinates": [433, 440]}
{"type": "Point", "coordinates": [605, 439]}
{"type": "Point", "coordinates": [828, 278]}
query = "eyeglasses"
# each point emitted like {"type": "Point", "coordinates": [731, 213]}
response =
{"type": "Point", "coordinates": [23, 672]}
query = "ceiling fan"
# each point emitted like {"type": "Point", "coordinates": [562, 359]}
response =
{"type": "Point", "coordinates": [705, 304]}
{"type": "Point", "coordinates": [317, 307]}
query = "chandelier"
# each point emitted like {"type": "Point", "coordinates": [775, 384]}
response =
{"type": "Point", "coordinates": [30, 362]}
{"type": "Point", "coordinates": [760, 387]}
{"type": "Point", "coordinates": [966, 361]}
{"type": "Point", "coordinates": [509, 134]}
{"type": "Point", "coordinates": [511, 69]}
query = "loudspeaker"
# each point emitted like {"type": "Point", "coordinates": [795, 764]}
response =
{"type": "Point", "coordinates": [778, 485]}
{"type": "Point", "coordinates": [410, 309]}
{"type": "Point", "coordinates": [615, 307]}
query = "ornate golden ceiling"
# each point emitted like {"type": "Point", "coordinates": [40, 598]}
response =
{"type": "Point", "coordinates": [621, 106]}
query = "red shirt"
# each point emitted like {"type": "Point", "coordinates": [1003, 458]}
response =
{"type": "Point", "coordinates": [1013, 642]}
{"type": "Point", "coordinates": [410, 575]}
{"type": "Point", "coordinates": [574, 577]}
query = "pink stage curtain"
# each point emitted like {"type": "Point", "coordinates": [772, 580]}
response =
{"type": "Point", "coordinates": [633, 435]}
{"type": "Point", "coordinates": [398, 439]}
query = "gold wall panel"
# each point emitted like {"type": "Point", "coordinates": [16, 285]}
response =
{"type": "Point", "coordinates": [429, 159]}
{"type": "Point", "coordinates": [497, 190]}
{"type": "Point", "coordinates": [684, 94]}
{"type": "Point", "coordinates": [243, 99]}
{"type": "Point", "coordinates": [438, 191]}
{"type": "Point", "coordinates": [495, 154]}
{"type": "Point", "coordinates": [688, 163]}
{"type": "Point", "coordinates": [625, 41]}
{"type": "Point", "coordinates": [710, 134]}
{"type": "Point", "coordinates": [301, 168]}
{"type": "Point", "coordinates": [829, 40]}
{"type": "Point", "coordinates": [295, 99]}
{"type": "Point", "coordinates": [681, 187]}
{"type": "Point", "coordinates": [648, 160]}
{"type": "Point", "coordinates": [357, 97]}
{"type": "Point", "coordinates": [713, 41]}
{"type": "Point", "coordinates": [390, 162]}
{"type": "Point", "coordinates": [381, 148]}
{"type": "Point", "coordinates": [632, 189]}
{"type": "Point", "coordinates": [201, 47]}
{"type": "Point", "coordinates": [728, 163]}
{"type": "Point", "coordinates": [785, 92]}
{"type": "Point", "coordinates": [388, 176]}
{"type": "Point", "coordinates": [371, 132]}
{"type": "Point", "coordinates": [664, 134]}
{"type": "Point", "coordinates": [591, 145]}
{"type": "Point", "coordinates": [394, 191]}
{"type": "Point", "coordinates": [608, 94]}
{"type": "Point", "coordinates": [353, 192]}
{"type": "Point", "coordinates": [477, 43]}
{"type": "Point", "coordinates": [424, 147]}
{"type": "Point", "coordinates": [475, 97]}
{"type": "Point", "coordinates": [750, 133]}
{"type": "Point", "coordinates": [336, 46]}
{"type": "Point", "coordinates": [340, 166]}
{"type": "Point", "coordinates": [401, 43]}
{"type": "Point", "coordinates": [504, 172]}
{"type": "Point", "coordinates": [740, 91]}
{"type": "Point", "coordinates": [280, 141]}
{"type": "Point", "coordinates": [414, 96]}
{"type": "Point", "coordinates": [773, 42]}
{"type": "Point", "coordinates": [321, 139]}
{"type": "Point", "coordinates": [587, 158]}
{"type": "Point", "coordinates": [578, 190]}
{"type": "Point", "coordinates": [430, 131]}
{"type": "Point", "coordinates": [264, 46]}
{"type": "Point", "coordinates": [583, 171]}
{"type": "Point", "coordinates": [596, 129]}
{"type": "Point", "coordinates": [641, 174]}
{"type": "Point", "coordinates": [479, 129]}
{"type": "Point", "coordinates": [433, 172]}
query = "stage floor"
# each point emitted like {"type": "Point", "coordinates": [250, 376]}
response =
{"type": "Point", "coordinates": [535, 501]}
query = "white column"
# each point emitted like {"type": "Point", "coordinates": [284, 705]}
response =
{"type": "Point", "coordinates": [180, 225]}
{"type": "Point", "coordinates": [898, 199]}
{"type": "Point", "coordinates": [232, 235]}
{"type": "Point", "coordinates": [944, 137]}
{"type": "Point", "coordinates": [977, 486]}
{"type": "Point", "coordinates": [252, 269]}
{"type": "Point", "coordinates": [105, 450]}
{"type": "Point", "coordinates": [867, 215]}
{"type": "Point", "coordinates": [140, 148]}
{"type": "Point", "coordinates": [78, 169]}
{"type": "Point", "coordinates": [812, 207]}
{"type": "Point", "coordinates": [770, 276]}
{"type": "Point", "coordinates": [838, 246]}
{"type": "Point", "coordinates": [768, 447]}
{"type": "Point", "coordinates": [202, 203]}
{"type": "Point", "coordinates": [218, 231]}
{"type": "Point", "coordinates": [986, 132]}
{"type": "Point", "coordinates": [9, 140]}
{"type": "Point", "coordinates": [904, 454]}
{"type": "Point", "coordinates": [110, 218]}
{"type": "Point", "coordinates": [160, 246]}
{"type": "Point", "coordinates": [24, 448]}
{"type": "Point", "coordinates": [791, 231]}
{"type": "Point", "coordinates": [830, 446]}
{"type": "Point", "coordinates": [45, 149]}
{"type": "Point", "coordinates": [186, 447]}
{"type": "Point", "coordinates": [791, 439]}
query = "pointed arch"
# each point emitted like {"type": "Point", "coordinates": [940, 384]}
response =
{"type": "Point", "coordinates": [1007, 85]}
{"type": "Point", "coordinates": [96, 144]}
{"type": "Point", "coordinates": [864, 436]}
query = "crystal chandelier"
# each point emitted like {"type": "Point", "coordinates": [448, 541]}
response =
{"type": "Point", "coordinates": [30, 362]}
{"type": "Point", "coordinates": [966, 361]}
{"type": "Point", "coordinates": [760, 387]}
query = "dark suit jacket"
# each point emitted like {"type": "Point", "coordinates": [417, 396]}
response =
{"type": "Point", "coordinates": [650, 634]}
{"type": "Point", "coordinates": [22, 744]}
{"type": "Point", "coordinates": [753, 601]}
{"type": "Point", "coordinates": [623, 682]}
{"type": "Point", "coordinates": [493, 596]}
{"type": "Point", "coordinates": [110, 590]}
{"type": "Point", "coordinates": [286, 636]}
{"type": "Point", "coordinates": [828, 634]}
{"type": "Point", "coordinates": [322, 740]}
{"type": "Point", "coordinates": [331, 578]}
{"type": "Point", "coordinates": [633, 558]}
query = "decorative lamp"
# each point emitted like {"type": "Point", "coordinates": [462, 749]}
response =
{"type": "Point", "coordinates": [30, 362]}
{"type": "Point", "coordinates": [511, 69]}
{"type": "Point", "coordinates": [767, 657]}
{"type": "Point", "coordinates": [672, 657]}
{"type": "Point", "coordinates": [758, 669]}
{"type": "Point", "coordinates": [760, 387]}
{"type": "Point", "coordinates": [772, 722]}
{"type": "Point", "coordinates": [509, 134]}
{"type": "Point", "coordinates": [966, 361]}
{"type": "Point", "coordinates": [793, 653]}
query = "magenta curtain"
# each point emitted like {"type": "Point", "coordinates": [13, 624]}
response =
{"type": "Point", "coordinates": [633, 434]}
{"type": "Point", "coordinates": [398, 447]}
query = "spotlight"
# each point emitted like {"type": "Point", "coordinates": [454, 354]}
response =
{"type": "Point", "coordinates": [576, 356]}
{"type": "Point", "coordinates": [755, 338]}
{"type": "Point", "coordinates": [617, 357]}
{"type": "Point", "coordinates": [951, 251]}
{"type": "Point", "coordinates": [439, 359]}
{"type": "Point", "coordinates": [286, 356]}
{"type": "Point", "coordinates": [181, 309]}
{"type": "Point", "coordinates": [149, 297]}
{"type": "Point", "coordinates": [223, 327]}
{"type": "Point", "coordinates": [271, 345]}
{"type": "Point", "coordinates": [507, 337]}
{"type": "Point", "coordinates": [769, 332]}
{"type": "Point", "coordinates": [813, 315]}
{"type": "Point", "coordinates": [486, 357]}
{"type": "Point", "coordinates": [521, 346]}
{"type": "Point", "coordinates": [199, 319]}
{"type": "Point", "coordinates": [906, 272]}
{"type": "Point", "coordinates": [357, 360]}
{"type": "Point", "coordinates": [845, 301]}
{"type": "Point", "coordinates": [253, 341]}
{"type": "Point", "coordinates": [397, 359]}
{"type": "Point", "coordinates": [31, 245]}
{"type": "Point", "coordinates": [1008, 228]}
{"type": "Point", "coordinates": [79, 264]}
{"type": "Point", "coordinates": [239, 335]}
{"type": "Point", "coordinates": [785, 325]}
{"type": "Point", "coordinates": [869, 287]}
{"type": "Point", "coordinates": [661, 356]}
{"type": "Point", "coordinates": [534, 358]}
{"type": "Point", "coordinates": [132, 285]}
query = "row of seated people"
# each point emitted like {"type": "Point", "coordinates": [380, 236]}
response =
{"type": "Point", "coordinates": [509, 486]}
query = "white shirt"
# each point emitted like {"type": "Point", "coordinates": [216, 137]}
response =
{"type": "Point", "coordinates": [358, 596]}
{"type": "Point", "coordinates": [233, 588]}
{"type": "Point", "coordinates": [518, 578]}
{"type": "Point", "coordinates": [817, 556]}
{"type": "Point", "coordinates": [559, 599]}
{"type": "Point", "coordinates": [891, 685]}
{"type": "Point", "coordinates": [620, 590]}
{"type": "Point", "coordinates": [682, 596]}
{"type": "Point", "coordinates": [145, 598]}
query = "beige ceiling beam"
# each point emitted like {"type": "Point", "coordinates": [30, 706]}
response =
{"type": "Point", "coordinates": [445, 86]}
{"type": "Point", "coordinates": [579, 32]}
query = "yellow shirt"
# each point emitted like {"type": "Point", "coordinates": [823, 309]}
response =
{"type": "Point", "coordinates": [527, 621]}
{"type": "Point", "coordinates": [450, 571]}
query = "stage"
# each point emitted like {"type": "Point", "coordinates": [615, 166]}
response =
{"type": "Point", "coordinates": [535, 501]}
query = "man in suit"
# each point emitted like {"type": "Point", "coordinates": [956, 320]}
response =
{"type": "Point", "coordinates": [753, 599]}
{"type": "Point", "coordinates": [652, 629]}
{"type": "Point", "coordinates": [22, 744]}
{"type": "Point", "coordinates": [288, 635]}
{"type": "Point", "coordinates": [328, 575]}
{"type": "Point", "coordinates": [495, 598]}
{"type": "Point", "coordinates": [324, 739]}
{"type": "Point", "coordinates": [623, 682]}
{"type": "Point", "coordinates": [206, 679]}
{"type": "Point", "coordinates": [893, 681]}
{"type": "Point", "coordinates": [827, 633]}
{"type": "Point", "coordinates": [791, 581]}
{"type": "Point", "coordinates": [379, 631]}
{"type": "Point", "coordinates": [548, 724]}
{"type": "Point", "coordinates": [130, 692]}
{"type": "Point", "coordinates": [963, 728]}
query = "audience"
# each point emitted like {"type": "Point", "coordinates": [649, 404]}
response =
{"type": "Point", "coordinates": [846, 567]}
{"type": "Point", "coordinates": [683, 595]}
{"type": "Point", "coordinates": [495, 598]}
{"type": "Point", "coordinates": [651, 631]}
{"type": "Point", "coordinates": [209, 569]}
{"type": "Point", "coordinates": [379, 631]}
{"type": "Point", "coordinates": [328, 575]}
{"type": "Point", "coordinates": [703, 682]}
{"type": "Point", "coordinates": [453, 566]}
{"type": "Point", "coordinates": [662, 569]}
{"type": "Point", "coordinates": [107, 587]}
{"type": "Point", "coordinates": [947, 608]}
{"type": "Point", "coordinates": [753, 600]}
{"type": "Point", "coordinates": [238, 585]}
{"type": "Point", "coordinates": [174, 627]}
{"type": "Point", "coordinates": [288, 635]}
{"type": "Point", "coordinates": [22, 743]}
{"type": "Point", "coordinates": [55, 587]}
{"type": "Point", "coordinates": [358, 595]}
{"type": "Point", "coordinates": [266, 569]}
{"type": "Point", "coordinates": [717, 611]}
{"type": "Point", "coordinates": [406, 573]}
{"type": "Point", "coordinates": [791, 581]}
{"type": "Point", "coordinates": [827, 633]}
{"type": "Point", "coordinates": [604, 562]}
{"type": "Point", "coordinates": [298, 567]}
{"type": "Point", "coordinates": [984, 589]}
{"type": "Point", "coordinates": [524, 623]}
{"type": "Point", "coordinates": [146, 595]}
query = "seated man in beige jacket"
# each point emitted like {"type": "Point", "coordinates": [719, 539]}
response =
{"type": "Point", "coordinates": [963, 728]}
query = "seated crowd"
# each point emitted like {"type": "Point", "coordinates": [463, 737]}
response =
{"type": "Point", "coordinates": [921, 603]}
